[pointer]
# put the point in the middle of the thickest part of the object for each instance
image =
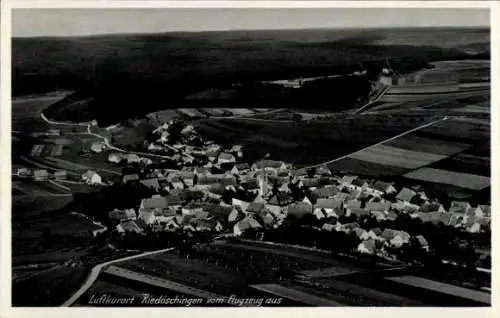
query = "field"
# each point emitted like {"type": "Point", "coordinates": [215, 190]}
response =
{"type": "Point", "coordinates": [229, 268]}
{"type": "Point", "coordinates": [29, 206]}
{"type": "Point", "coordinates": [304, 143]}
{"type": "Point", "coordinates": [468, 181]}
{"type": "Point", "coordinates": [49, 288]}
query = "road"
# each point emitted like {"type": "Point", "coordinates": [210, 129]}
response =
{"type": "Point", "coordinates": [379, 143]}
{"type": "Point", "coordinates": [96, 270]}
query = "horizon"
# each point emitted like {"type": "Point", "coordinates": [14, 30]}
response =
{"type": "Point", "coordinates": [43, 23]}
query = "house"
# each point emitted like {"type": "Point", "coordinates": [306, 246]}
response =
{"type": "Point", "coordinates": [148, 216]}
{"type": "Point", "coordinates": [429, 207]}
{"type": "Point", "coordinates": [482, 211]}
{"type": "Point", "coordinates": [312, 183]}
{"type": "Point", "coordinates": [330, 227]}
{"type": "Point", "coordinates": [242, 204]}
{"type": "Point", "coordinates": [173, 224]}
{"type": "Point", "coordinates": [361, 233]}
{"type": "Point", "coordinates": [300, 209]}
{"type": "Point", "coordinates": [347, 180]}
{"type": "Point", "coordinates": [326, 192]}
{"type": "Point", "coordinates": [381, 187]}
{"type": "Point", "coordinates": [61, 175]}
{"type": "Point", "coordinates": [177, 185]}
{"type": "Point", "coordinates": [341, 196]}
{"type": "Point", "coordinates": [269, 165]}
{"type": "Point", "coordinates": [367, 247]}
{"type": "Point", "coordinates": [358, 184]}
{"type": "Point", "coordinates": [395, 238]}
{"type": "Point", "coordinates": [461, 207]}
{"type": "Point", "coordinates": [352, 204]}
{"type": "Point", "coordinates": [235, 215]}
{"type": "Point", "coordinates": [240, 168]}
{"type": "Point", "coordinates": [206, 225]}
{"type": "Point", "coordinates": [375, 233]}
{"type": "Point", "coordinates": [226, 157]}
{"type": "Point", "coordinates": [422, 242]}
{"type": "Point", "coordinates": [379, 216]}
{"type": "Point", "coordinates": [349, 227]}
{"type": "Point", "coordinates": [91, 177]}
{"type": "Point", "coordinates": [320, 213]}
{"type": "Point", "coordinates": [354, 195]}
{"type": "Point", "coordinates": [120, 215]}
{"type": "Point", "coordinates": [128, 226]}
{"type": "Point", "coordinates": [245, 224]}
{"type": "Point", "coordinates": [201, 214]}
{"type": "Point", "coordinates": [173, 201]}
{"type": "Point", "coordinates": [330, 206]}
{"type": "Point", "coordinates": [378, 206]}
{"type": "Point", "coordinates": [358, 212]}
{"type": "Point", "coordinates": [152, 184]}
{"type": "Point", "coordinates": [24, 172]}
{"type": "Point", "coordinates": [405, 195]}
{"type": "Point", "coordinates": [41, 175]}
{"type": "Point", "coordinates": [437, 217]}
{"type": "Point", "coordinates": [391, 216]}
{"type": "Point", "coordinates": [424, 217]}
{"type": "Point", "coordinates": [405, 207]}
{"type": "Point", "coordinates": [322, 171]}
{"type": "Point", "coordinates": [97, 147]}
{"type": "Point", "coordinates": [255, 207]}
{"type": "Point", "coordinates": [133, 158]}
{"type": "Point", "coordinates": [130, 178]}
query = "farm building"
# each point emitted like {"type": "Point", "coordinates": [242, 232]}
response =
{"type": "Point", "coordinates": [41, 175]}
{"type": "Point", "coordinates": [91, 177]}
{"type": "Point", "coordinates": [61, 175]}
{"type": "Point", "coordinates": [246, 224]}
{"type": "Point", "coordinates": [97, 147]}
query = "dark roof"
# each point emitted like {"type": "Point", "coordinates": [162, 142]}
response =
{"type": "Point", "coordinates": [280, 199]}
{"type": "Point", "coordinates": [406, 194]}
{"type": "Point", "coordinates": [381, 185]}
{"type": "Point", "coordinates": [325, 192]}
{"type": "Point", "coordinates": [173, 200]}
{"type": "Point", "coordinates": [268, 164]}
{"type": "Point", "coordinates": [299, 209]}
{"type": "Point", "coordinates": [359, 212]}
{"type": "Point", "coordinates": [358, 182]}
{"type": "Point", "coordinates": [328, 203]}
{"type": "Point", "coordinates": [256, 207]}
{"type": "Point", "coordinates": [242, 166]}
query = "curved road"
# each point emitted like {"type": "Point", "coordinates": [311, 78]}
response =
{"type": "Point", "coordinates": [97, 269]}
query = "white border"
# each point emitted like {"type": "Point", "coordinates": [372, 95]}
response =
{"type": "Point", "coordinates": [5, 151]}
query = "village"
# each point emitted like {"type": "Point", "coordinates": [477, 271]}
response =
{"type": "Point", "coordinates": [206, 187]}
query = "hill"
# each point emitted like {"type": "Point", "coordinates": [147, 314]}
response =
{"type": "Point", "coordinates": [123, 76]}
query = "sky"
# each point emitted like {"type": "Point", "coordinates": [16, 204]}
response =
{"type": "Point", "coordinates": [77, 22]}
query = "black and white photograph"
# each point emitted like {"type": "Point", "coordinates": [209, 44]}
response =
{"type": "Point", "coordinates": [250, 157]}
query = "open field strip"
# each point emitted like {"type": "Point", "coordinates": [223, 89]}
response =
{"type": "Point", "coordinates": [72, 165]}
{"type": "Point", "coordinates": [463, 180]}
{"type": "Point", "coordinates": [427, 145]}
{"type": "Point", "coordinates": [59, 185]}
{"type": "Point", "coordinates": [397, 157]}
{"type": "Point", "coordinates": [379, 143]}
{"type": "Point", "coordinates": [295, 295]}
{"type": "Point", "coordinates": [159, 282]}
{"type": "Point", "coordinates": [427, 284]}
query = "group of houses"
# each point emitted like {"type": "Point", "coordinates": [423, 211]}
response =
{"type": "Point", "coordinates": [42, 174]}
{"type": "Point", "coordinates": [237, 196]}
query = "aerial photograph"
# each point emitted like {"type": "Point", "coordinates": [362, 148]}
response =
{"type": "Point", "coordinates": [226, 157]}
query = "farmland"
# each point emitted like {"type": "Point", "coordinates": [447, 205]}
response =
{"type": "Point", "coordinates": [468, 181]}
{"type": "Point", "coordinates": [305, 143]}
